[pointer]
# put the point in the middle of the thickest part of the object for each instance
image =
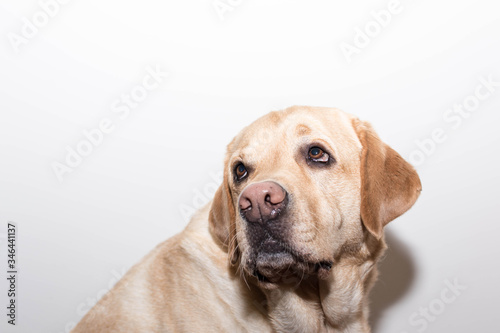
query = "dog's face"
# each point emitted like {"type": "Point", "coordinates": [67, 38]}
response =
{"type": "Point", "coordinates": [302, 187]}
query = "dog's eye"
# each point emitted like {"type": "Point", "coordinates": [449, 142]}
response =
{"type": "Point", "coordinates": [240, 171]}
{"type": "Point", "coordinates": [317, 154]}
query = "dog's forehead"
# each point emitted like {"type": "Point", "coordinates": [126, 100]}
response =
{"type": "Point", "coordinates": [284, 128]}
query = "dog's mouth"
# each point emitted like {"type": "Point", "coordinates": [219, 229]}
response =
{"type": "Point", "coordinates": [274, 262]}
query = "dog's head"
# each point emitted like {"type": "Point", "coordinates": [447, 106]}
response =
{"type": "Point", "coordinates": [303, 186]}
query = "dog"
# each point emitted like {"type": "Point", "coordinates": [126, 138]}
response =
{"type": "Point", "coordinates": [289, 243]}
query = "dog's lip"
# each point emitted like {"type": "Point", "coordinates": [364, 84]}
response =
{"type": "Point", "coordinates": [320, 269]}
{"type": "Point", "coordinates": [323, 268]}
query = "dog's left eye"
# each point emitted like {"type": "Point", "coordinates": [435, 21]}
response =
{"type": "Point", "coordinates": [317, 154]}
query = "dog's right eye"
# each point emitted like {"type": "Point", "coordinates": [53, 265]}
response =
{"type": "Point", "coordinates": [240, 171]}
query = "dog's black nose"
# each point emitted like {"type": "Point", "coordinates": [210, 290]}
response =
{"type": "Point", "coordinates": [262, 202]}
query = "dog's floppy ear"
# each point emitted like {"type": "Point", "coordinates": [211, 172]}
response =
{"type": "Point", "coordinates": [222, 218]}
{"type": "Point", "coordinates": [389, 184]}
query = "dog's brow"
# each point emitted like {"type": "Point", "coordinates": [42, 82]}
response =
{"type": "Point", "coordinates": [302, 129]}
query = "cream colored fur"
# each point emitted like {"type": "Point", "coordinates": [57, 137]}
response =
{"type": "Point", "coordinates": [197, 281]}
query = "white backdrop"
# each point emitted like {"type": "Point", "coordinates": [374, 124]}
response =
{"type": "Point", "coordinates": [103, 154]}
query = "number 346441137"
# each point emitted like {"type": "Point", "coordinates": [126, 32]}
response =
{"type": "Point", "coordinates": [11, 247]}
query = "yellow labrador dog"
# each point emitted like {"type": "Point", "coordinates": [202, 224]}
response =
{"type": "Point", "coordinates": [289, 243]}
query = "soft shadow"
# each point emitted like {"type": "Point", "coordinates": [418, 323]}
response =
{"type": "Point", "coordinates": [397, 273]}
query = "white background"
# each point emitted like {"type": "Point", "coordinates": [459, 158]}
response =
{"type": "Point", "coordinates": [131, 192]}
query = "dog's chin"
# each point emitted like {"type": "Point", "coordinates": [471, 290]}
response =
{"type": "Point", "coordinates": [273, 266]}
{"type": "Point", "coordinates": [277, 268]}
